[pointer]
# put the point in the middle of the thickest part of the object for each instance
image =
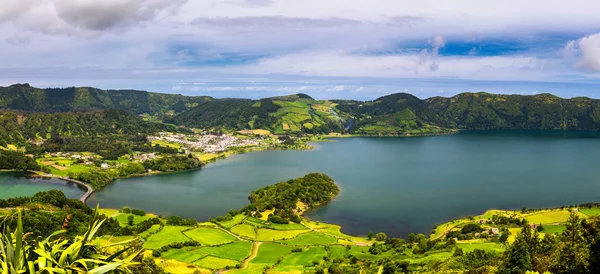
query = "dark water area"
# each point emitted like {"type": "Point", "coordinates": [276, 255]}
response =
{"type": "Point", "coordinates": [396, 185]}
{"type": "Point", "coordinates": [19, 185]}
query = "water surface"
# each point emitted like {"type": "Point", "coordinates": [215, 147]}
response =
{"type": "Point", "coordinates": [395, 185]}
{"type": "Point", "coordinates": [18, 185]}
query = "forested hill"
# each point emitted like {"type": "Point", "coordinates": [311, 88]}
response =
{"type": "Point", "coordinates": [27, 98]}
{"type": "Point", "coordinates": [396, 114]}
{"type": "Point", "coordinates": [480, 111]}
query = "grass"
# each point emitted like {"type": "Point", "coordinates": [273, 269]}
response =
{"type": "Point", "coordinates": [334, 230]}
{"type": "Point", "coordinates": [304, 258]}
{"type": "Point", "coordinates": [337, 251]}
{"type": "Point", "coordinates": [152, 229]}
{"type": "Point", "coordinates": [269, 253]}
{"type": "Point", "coordinates": [215, 263]}
{"type": "Point", "coordinates": [550, 217]}
{"type": "Point", "coordinates": [312, 238]}
{"type": "Point", "coordinates": [172, 266]}
{"type": "Point", "coordinates": [290, 226]}
{"type": "Point", "coordinates": [590, 211]}
{"type": "Point", "coordinates": [487, 246]}
{"type": "Point", "coordinates": [554, 228]}
{"type": "Point", "coordinates": [169, 234]}
{"type": "Point", "coordinates": [273, 235]}
{"type": "Point", "coordinates": [234, 221]}
{"type": "Point", "coordinates": [237, 251]}
{"type": "Point", "coordinates": [209, 236]}
{"type": "Point", "coordinates": [252, 269]}
{"type": "Point", "coordinates": [244, 230]}
{"type": "Point", "coordinates": [123, 219]}
{"type": "Point", "coordinates": [255, 222]}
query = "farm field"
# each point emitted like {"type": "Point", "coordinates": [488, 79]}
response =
{"type": "Point", "coordinates": [273, 235]}
{"type": "Point", "coordinates": [169, 234]}
{"type": "Point", "coordinates": [209, 236]}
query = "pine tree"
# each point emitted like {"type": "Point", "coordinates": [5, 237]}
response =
{"type": "Point", "coordinates": [517, 259]}
{"type": "Point", "coordinates": [571, 255]}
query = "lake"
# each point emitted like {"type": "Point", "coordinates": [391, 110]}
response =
{"type": "Point", "coordinates": [16, 185]}
{"type": "Point", "coordinates": [396, 185]}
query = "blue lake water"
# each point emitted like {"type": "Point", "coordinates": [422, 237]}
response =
{"type": "Point", "coordinates": [396, 185]}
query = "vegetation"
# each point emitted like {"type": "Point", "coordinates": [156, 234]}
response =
{"type": "Point", "coordinates": [312, 190]}
{"type": "Point", "coordinates": [17, 160]}
{"type": "Point", "coordinates": [27, 98]}
{"type": "Point", "coordinates": [173, 163]}
{"type": "Point", "coordinates": [56, 255]}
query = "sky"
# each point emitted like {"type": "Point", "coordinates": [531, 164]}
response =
{"type": "Point", "coordinates": [329, 49]}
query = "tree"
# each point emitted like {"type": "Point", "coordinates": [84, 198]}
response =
{"type": "Point", "coordinates": [517, 259]}
{"type": "Point", "coordinates": [380, 236]}
{"type": "Point", "coordinates": [458, 252]}
{"type": "Point", "coordinates": [412, 237]}
{"type": "Point", "coordinates": [571, 255]}
{"type": "Point", "coordinates": [504, 236]}
{"type": "Point", "coordinates": [130, 220]}
{"type": "Point", "coordinates": [370, 235]}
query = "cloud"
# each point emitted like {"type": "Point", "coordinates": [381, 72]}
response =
{"type": "Point", "coordinates": [18, 39]}
{"type": "Point", "coordinates": [83, 17]}
{"type": "Point", "coordinates": [587, 52]}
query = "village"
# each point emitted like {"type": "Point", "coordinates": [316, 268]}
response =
{"type": "Point", "coordinates": [207, 143]}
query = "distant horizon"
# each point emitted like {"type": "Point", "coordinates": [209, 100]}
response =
{"type": "Point", "coordinates": [311, 94]}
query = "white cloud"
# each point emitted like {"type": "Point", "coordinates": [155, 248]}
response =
{"type": "Point", "coordinates": [176, 39]}
{"type": "Point", "coordinates": [587, 50]}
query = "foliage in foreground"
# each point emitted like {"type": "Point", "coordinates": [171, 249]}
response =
{"type": "Point", "coordinates": [56, 254]}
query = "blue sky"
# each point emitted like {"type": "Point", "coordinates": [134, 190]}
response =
{"type": "Point", "coordinates": [356, 49]}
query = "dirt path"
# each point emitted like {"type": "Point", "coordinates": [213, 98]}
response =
{"type": "Point", "coordinates": [253, 255]}
{"type": "Point", "coordinates": [250, 258]}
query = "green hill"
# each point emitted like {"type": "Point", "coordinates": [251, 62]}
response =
{"type": "Point", "coordinates": [287, 114]}
{"type": "Point", "coordinates": [27, 98]}
{"type": "Point", "coordinates": [395, 114]}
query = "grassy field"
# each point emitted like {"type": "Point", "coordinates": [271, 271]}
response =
{"type": "Point", "coordinates": [244, 230]}
{"type": "Point", "coordinates": [237, 251]}
{"type": "Point", "coordinates": [209, 236]}
{"type": "Point", "coordinates": [231, 223]}
{"type": "Point", "coordinates": [172, 266]}
{"type": "Point", "coordinates": [312, 238]}
{"type": "Point", "coordinates": [215, 263]}
{"type": "Point", "coordinates": [304, 258]}
{"type": "Point", "coordinates": [122, 218]}
{"type": "Point", "coordinates": [488, 246]}
{"type": "Point", "coordinates": [337, 251]}
{"type": "Point", "coordinates": [550, 217]}
{"type": "Point", "coordinates": [273, 235]}
{"type": "Point", "coordinates": [590, 211]}
{"type": "Point", "coordinates": [290, 226]}
{"type": "Point", "coordinates": [270, 253]}
{"type": "Point", "coordinates": [169, 234]}
{"type": "Point", "coordinates": [252, 269]}
{"type": "Point", "coordinates": [153, 229]}
{"type": "Point", "coordinates": [554, 228]}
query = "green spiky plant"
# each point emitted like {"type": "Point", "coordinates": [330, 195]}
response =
{"type": "Point", "coordinates": [64, 256]}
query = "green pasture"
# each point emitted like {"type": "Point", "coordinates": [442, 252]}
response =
{"type": "Point", "coordinates": [169, 234]}
{"type": "Point", "coordinates": [311, 238]}
{"type": "Point", "coordinates": [274, 235]}
{"type": "Point", "coordinates": [244, 230]}
{"type": "Point", "coordinates": [209, 236]}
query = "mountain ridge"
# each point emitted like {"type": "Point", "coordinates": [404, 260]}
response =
{"type": "Point", "coordinates": [393, 114]}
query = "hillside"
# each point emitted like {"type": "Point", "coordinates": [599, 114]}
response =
{"type": "Point", "coordinates": [26, 98]}
{"type": "Point", "coordinates": [286, 114]}
{"type": "Point", "coordinates": [395, 114]}
{"type": "Point", "coordinates": [478, 111]}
